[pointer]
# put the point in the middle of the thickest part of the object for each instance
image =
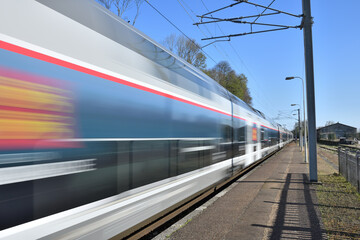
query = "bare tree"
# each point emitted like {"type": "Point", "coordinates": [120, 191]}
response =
{"type": "Point", "coordinates": [122, 6]}
{"type": "Point", "coordinates": [187, 49]}
{"type": "Point", "coordinates": [329, 123]}
{"type": "Point", "coordinates": [170, 42]}
{"type": "Point", "coordinates": [138, 4]}
{"type": "Point", "coordinates": [106, 3]}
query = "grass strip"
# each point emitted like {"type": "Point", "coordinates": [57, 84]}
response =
{"type": "Point", "coordinates": [339, 204]}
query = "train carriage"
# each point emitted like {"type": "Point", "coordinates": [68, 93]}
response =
{"type": "Point", "coordinates": [102, 128]}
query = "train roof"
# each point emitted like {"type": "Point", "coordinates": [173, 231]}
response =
{"type": "Point", "coordinates": [97, 18]}
{"type": "Point", "coordinates": [113, 27]}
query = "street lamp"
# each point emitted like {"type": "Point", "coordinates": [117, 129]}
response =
{"type": "Point", "coordinates": [300, 139]}
{"type": "Point", "coordinates": [298, 132]}
{"type": "Point", "coordinates": [304, 107]}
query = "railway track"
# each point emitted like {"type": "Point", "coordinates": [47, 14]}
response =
{"type": "Point", "coordinates": [341, 146]}
{"type": "Point", "coordinates": [328, 148]}
{"type": "Point", "coordinates": [158, 224]}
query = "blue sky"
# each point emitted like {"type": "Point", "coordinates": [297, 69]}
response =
{"type": "Point", "coordinates": [266, 59]}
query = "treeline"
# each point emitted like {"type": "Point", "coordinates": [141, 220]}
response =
{"type": "Point", "coordinates": [189, 50]}
{"type": "Point", "coordinates": [222, 72]}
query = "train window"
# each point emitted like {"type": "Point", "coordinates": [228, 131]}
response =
{"type": "Point", "coordinates": [194, 154]}
{"type": "Point", "coordinates": [240, 102]}
{"type": "Point", "coordinates": [264, 137]}
{"type": "Point", "coordinates": [226, 142]}
{"type": "Point", "coordinates": [150, 162]}
{"type": "Point", "coordinates": [188, 85]}
{"type": "Point", "coordinates": [204, 92]}
{"type": "Point", "coordinates": [242, 133]}
{"type": "Point", "coordinates": [273, 137]}
{"type": "Point", "coordinates": [226, 133]}
{"type": "Point", "coordinates": [240, 139]}
{"type": "Point", "coordinates": [189, 156]}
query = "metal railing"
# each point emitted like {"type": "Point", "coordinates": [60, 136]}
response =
{"type": "Point", "coordinates": [349, 166]}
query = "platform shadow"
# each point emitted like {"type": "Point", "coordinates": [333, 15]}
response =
{"type": "Point", "coordinates": [313, 228]}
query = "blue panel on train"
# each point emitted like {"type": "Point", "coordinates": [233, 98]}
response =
{"type": "Point", "coordinates": [105, 109]}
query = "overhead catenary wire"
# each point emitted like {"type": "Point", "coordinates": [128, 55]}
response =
{"type": "Point", "coordinates": [268, 7]}
{"type": "Point", "coordinates": [257, 97]}
{"type": "Point", "coordinates": [231, 5]}
{"type": "Point", "coordinates": [280, 27]}
{"type": "Point", "coordinates": [215, 20]}
{"type": "Point", "coordinates": [177, 28]}
{"type": "Point", "coordinates": [222, 53]}
{"type": "Point", "coordinates": [182, 5]}
{"type": "Point", "coordinates": [235, 51]}
{"type": "Point", "coordinates": [261, 14]}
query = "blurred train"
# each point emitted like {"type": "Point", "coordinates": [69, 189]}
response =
{"type": "Point", "coordinates": [101, 128]}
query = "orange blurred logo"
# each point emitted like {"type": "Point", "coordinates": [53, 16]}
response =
{"type": "Point", "coordinates": [254, 134]}
{"type": "Point", "coordinates": [33, 108]}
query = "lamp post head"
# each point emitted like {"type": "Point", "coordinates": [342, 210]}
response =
{"type": "Point", "coordinates": [293, 104]}
{"type": "Point", "coordinates": [289, 78]}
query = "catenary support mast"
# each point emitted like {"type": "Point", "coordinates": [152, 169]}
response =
{"type": "Point", "coordinates": [310, 90]}
{"type": "Point", "coordinates": [306, 25]}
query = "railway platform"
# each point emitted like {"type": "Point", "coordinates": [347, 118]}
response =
{"type": "Point", "coordinates": [274, 201]}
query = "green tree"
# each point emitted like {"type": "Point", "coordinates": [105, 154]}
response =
{"type": "Point", "coordinates": [229, 79]}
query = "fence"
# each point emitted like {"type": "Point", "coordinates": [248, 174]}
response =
{"type": "Point", "coordinates": [349, 166]}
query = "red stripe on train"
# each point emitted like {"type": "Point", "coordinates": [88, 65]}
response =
{"type": "Point", "coordinates": [53, 60]}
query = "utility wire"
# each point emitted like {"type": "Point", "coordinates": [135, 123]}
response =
{"type": "Point", "coordinates": [263, 11]}
{"type": "Point", "coordinates": [182, 5]}
{"type": "Point", "coordinates": [177, 28]}
{"type": "Point", "coordinates": [256, 99]}
{"type": "Point", "coordinates": [168, 20]}
{"type": "Point", "coordinates": [246, 67]}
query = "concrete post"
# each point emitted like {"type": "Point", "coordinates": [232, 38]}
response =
{"type": "Point", "coordinates": [346, 164]}
{"type": "Point", "coordinates": [305, 128]}
{"type": "Point", "coordinates": [300, 135]}
{"type": "Point", "coordinates": [339, 159]}
{"type": "Point", "coordinates": [310, 91]}
{"type": "Point", "coordinates": [357, 170]}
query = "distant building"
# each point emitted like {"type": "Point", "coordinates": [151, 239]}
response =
{"type": "Point", "coordinates": [336, 131]}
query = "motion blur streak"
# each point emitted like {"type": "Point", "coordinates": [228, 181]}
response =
{"type": "Point", "coordinates": [103, 130]}
{"type": "Point", "coordinates": [39, 171]}
{"type": "Point", "coordinates": [33, 108]}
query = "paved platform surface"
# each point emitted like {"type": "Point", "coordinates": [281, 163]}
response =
{"type": "Point", "coordinates": [275, 201]}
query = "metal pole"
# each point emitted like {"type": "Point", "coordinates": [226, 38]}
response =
{"type": "Point", "coordinates": [300, 136]}
{"type": "Point", "coordinates": [305, 129]}
{"type": "Point", "coordinates": [357, 170]}
{"type": "Point", "coordinates": [310, 91]}
{"type": "Point", "coordinates": [339, 159]}
{"type": "Point", "coordinates": [346, 164]}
